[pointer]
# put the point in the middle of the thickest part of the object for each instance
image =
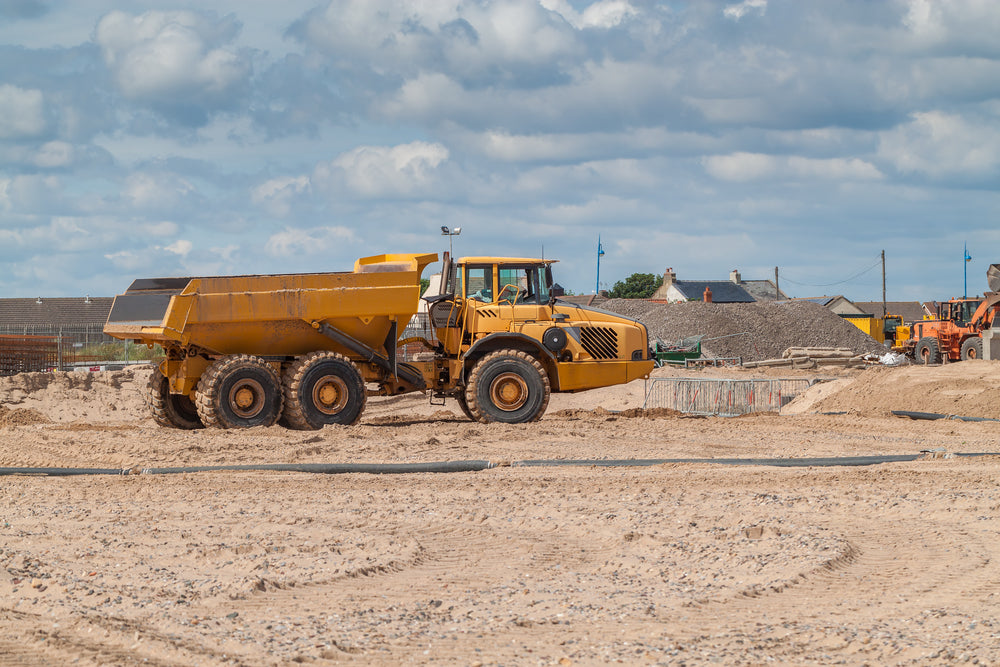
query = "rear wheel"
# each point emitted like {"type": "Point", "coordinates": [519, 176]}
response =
{"type": "Point", "coordinates": [323, 388]}
{"type": "Point", "coordinates": [239, 391]}
{"type": "Point", "coordinates": [927, 351]}
{"type": "Point", "coordinates": [507, 386]}
{"type": "Point", "coordinates": [972, 348]}
{"type": "Point", "coordinates": [170, 410]}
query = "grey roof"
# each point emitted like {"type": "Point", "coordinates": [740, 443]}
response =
{"type": "Point", "coordinates": [585, 299]}
{"type": "Point", "coordinates": [910, 311]}
{"type": "Point", "coordinates": [723, 291]}
{"type": "Point", "coordinates": [763, 290]}
{"type": "Point", "coordinates": [55, 312]}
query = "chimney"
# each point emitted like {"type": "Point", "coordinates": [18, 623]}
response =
{"type": "Point", "coordinates": [669, 277]}
{"type": "Point", "coordinates": [734, 275]}
{"type": "Point", "coordinates": [707, 296]}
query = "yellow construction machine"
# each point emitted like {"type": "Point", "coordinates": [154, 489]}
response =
{"type": "Point", "coordinates": [307, 349]}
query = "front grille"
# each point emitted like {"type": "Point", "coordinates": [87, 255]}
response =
{"type": "Point", "coordinates": [599, 342]}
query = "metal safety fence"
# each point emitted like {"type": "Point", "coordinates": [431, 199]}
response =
{"type": "Point", "coordinates": [723, 397]}
{"type": "Point", "coordinates": [25, 349]}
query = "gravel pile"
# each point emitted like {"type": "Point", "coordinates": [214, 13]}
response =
{"type": "Point", "coordinates": [767, 328]}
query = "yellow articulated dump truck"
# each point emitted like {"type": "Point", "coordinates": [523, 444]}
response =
{"type": "Point", "coordinates": [307, 349]}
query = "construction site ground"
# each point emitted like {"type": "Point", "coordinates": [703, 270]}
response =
{"type": "Point", "coordinates": [681, 563]}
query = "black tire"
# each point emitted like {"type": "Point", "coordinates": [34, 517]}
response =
{"type": "Point", "coordinates": [972, 348]}
{"type": "Point", "coordinates": [170, 410]}
{"type": "Point", "coordinates": [464, 406]}
{"type": "Point", "coordinates": [323, 388]}
{"type": "Point", "coordinates": [239, 391]}
{"type": "Point", "coordinates": [927, 351]}
{"type": "Point", "coordinates": [507, 386]}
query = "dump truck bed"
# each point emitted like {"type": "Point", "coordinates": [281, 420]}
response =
{"type": "Point", "coordinates": [273, 315]}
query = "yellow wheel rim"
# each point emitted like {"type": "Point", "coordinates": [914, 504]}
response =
{"type": "Point", "coordinates": [508, 391]}
{"type": "Point", "coordinates": [330, 394]}
{"type": "Point", "coordinates": [246, 398]}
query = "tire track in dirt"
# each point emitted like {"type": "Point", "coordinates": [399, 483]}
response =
{"type": "Point", "coordinates": [30, 640]}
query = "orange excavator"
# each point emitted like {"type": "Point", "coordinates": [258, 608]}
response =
{"type": "Point", "coordinates": [956, 333]}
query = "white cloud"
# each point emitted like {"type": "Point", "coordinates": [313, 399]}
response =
{"type": "Point", "coordinates": [374, 171]}
{"type": "Point", "coordinates": [22, 112]}
{"type": "Point", "coordinates": [156, 191]}
{"type": "Point", "coordinates": [54, 154]}
{"type": "Point", "coordinates": [741, 167]}
{"type": "Point", "coordinates": [938, 143]}
{"type": "Point", "coordinates": [401, 37]}
{"type": "Point", "coordinates": [292, 242]}
{"type": "Point", "coordinates": [277, 194]}
{"type": "Point", "coordinates": [180, 247]}
{"type": "Point", "coordinates": [171, 56]}
{"type": "Point", "coordinates": [738, 11]}
{"type": "Point", "coordinates": [961, 25]}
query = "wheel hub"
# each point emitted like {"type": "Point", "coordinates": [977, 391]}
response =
{"type": "Point", "coordinates": [509, 391]}
{"type": "Point", "coordinates": [330, 394]}
{"type": "Point", "coordinates": [246, 398]}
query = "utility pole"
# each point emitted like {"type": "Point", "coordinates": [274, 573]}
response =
{"type": "Point", "coordinates": [884, 310]}
{"type": "Point", "coordinates": [777, 292]}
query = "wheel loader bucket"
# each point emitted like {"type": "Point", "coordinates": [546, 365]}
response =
{"type": "Point", "coordinates": [993, 277]}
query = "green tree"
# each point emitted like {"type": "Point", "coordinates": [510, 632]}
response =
{"type": "Point", "coordinates": [636, 286]}
{"type": "Point", "coordinates": [424, 284]}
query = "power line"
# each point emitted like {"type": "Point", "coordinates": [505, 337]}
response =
{"type": "Point", "coordinates": [878, 261]}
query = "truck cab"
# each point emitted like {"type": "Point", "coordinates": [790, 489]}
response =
{"type": "Point", "coordinates": [489, 305]}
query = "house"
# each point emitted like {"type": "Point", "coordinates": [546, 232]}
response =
{"type": "Point", "coordinates": [839, 304]}
{"type": "Point", "coordinates": [910, 311]}
{"type": "Point", "coordinates": [719, 291]}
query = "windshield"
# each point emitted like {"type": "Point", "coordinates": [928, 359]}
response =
{"type": "Point", "coordinates": [523, 284]}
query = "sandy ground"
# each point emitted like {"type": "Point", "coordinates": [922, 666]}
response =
{"type": "Point", "coordinates": [677, 563]}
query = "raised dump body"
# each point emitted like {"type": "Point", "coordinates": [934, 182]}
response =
{"type": "Point", "coordinates": [250, 350]}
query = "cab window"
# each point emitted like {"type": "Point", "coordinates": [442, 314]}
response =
{"type": "Point", "coordinates": [479, 283]}
{"type": "Point", "coordinates": [522, 284]}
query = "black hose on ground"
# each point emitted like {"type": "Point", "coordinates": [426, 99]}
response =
{"type": "Point", "coordinates": [474, 466]}
{"type": "Point", "coordinates": [938, 415]}
{"type": "Point", "coordinates": [322, 468]}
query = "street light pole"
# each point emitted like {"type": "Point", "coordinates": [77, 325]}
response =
{"type": "Point", "coordinates": [445, 231]}
{"type": "Point", "coordinates": [600, 253]}
{"type": "Point", "coordinates": [965, 272]}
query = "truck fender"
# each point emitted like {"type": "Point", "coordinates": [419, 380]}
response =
{"type": "Point", "coordinates": [517, 341]}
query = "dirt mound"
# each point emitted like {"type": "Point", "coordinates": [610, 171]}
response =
{"type": "Point", "coordinates": [967, 389]}
{"type": "Point", "coordinates": [71, 396]}
{"type": "Point", "coordinates": [753, 331]}
{"type": "Point", "coordinates": [18, 417]}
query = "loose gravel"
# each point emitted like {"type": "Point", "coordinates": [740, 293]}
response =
{"type": "Point", "coordinates": [752, 331]}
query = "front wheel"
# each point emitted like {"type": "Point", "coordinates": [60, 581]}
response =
{"type": "Point", "coordinates": [972, 348]}
{"type": "Point", "coordinates": [323, 388]}
{"type": "Point", "coordinates": [170, 410]}
{"type": "Point", "coordinates": [239, 391]}
{"type": "Point", "coordinates": [927, 351]}
{"type": "Point", "coordinates": [463, 405]}
{"type": "Point", "coordinates": [507, 386]}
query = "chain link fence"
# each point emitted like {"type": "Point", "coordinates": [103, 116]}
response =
{"type": "Point", "coordinates": [723, 397]}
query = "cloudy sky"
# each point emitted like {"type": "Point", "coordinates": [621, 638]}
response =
{"type": "Point", "coordinates": [157, 138]}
